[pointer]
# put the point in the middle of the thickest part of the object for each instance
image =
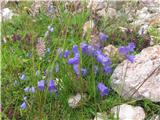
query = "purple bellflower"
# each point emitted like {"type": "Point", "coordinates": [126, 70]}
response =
{"type": "Point", "coordinates": [75, 49]}
{"type": "Point", "coordinates": [52, 86]}
{"type": "Point", "coordinates": [76, 69]}
{"type": "Point", "coordinates": [41, 84]}
{"type": "Point", "coordinates": [66, 53]}
{"type": "Point", "coordinates": [23, 77]}
{"type": "Point", "coordinates": [104, 91]}
{"type": "Point", "coordinates": [83, 47]}
{"type": "Point", "coordinates": [103, 37]}
{"type": "Point", "coordinates": [23, 105]}
{"type": "Point", "coordinates": [107, 69]}
{"type": "Point", "coordinates": [84, 71]}
{"type": "Point", "coordinates": [125, 50]}
{"type": "Point", "coordinates": [75, 59]}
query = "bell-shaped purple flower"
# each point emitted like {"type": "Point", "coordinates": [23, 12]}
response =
{"type": "Point", "coordinates": [76, 69]}
{"type": "Point", "coordinates": [104, 60]}
{"type": "Point", "coordinates": [52, 86]}
{"type": "Point", "coordinates": [75, 49]}
{"type": "Point", "coordinates": [25, 98]}
{"type": "Point", "coordinates": [41, 84]}
{"type": "Point", "coordinates": [26, 89]}
{"type": "Point", "coordinates": [107, 69]}
{"type": "Point", "coordinates": [103, 37]}
{"type": "Point", "coordinates": [23, 105]}
{"type": "Point", "coordinates": [123, 50]}
{"type": "Point", "coordinates": [98, 52]}
{"type": "Point", "coordinates": [91, 50]}
{"type": "Point", "coordinates": [23, 77]}
{"type": "Point", "coordinates": [32, 90]}
{"type": "Point", "coordinates": [84, 71]}
{"type": "Point", "coordinates": [84, 47]}
{"type": "Point", "coordinates": [131, 46]}
{"type": "Point", "coordinates": [130, 58]}
{"type": "Point", "coordinates": [75, 59]}
{"type": "Point", "coordinates": [104, 91]}
{"type": "Point", "coordinates": [66, 53]}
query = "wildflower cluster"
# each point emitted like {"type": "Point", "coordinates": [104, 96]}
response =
{"type": "Point", "coordinates": [41, 86]}
{"type": "Point", "coordinates": [126, 50]}
{"type": "Point", "coordinates": [51, 86]}
{"type": "Point", "coordinates": [93, 52]}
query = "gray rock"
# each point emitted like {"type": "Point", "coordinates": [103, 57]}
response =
{"type": "Point", "coordinates": [140, 79]}
{"type": "Point", "coordinates": [128, 112]}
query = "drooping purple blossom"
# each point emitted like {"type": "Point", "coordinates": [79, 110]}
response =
{"type": "Point", "coordinates": [103, 37]}
{"type": "Point", "coordinates": [60, 52]}
{"type": "Point", "coordinates": [91, 50]}
{"type": "Point", "coordinates": [130, 58]}
{"type": "Point", "coordinates": [23, 105]}
{"type": "Point", "coordinates": [52, 86]}
{"type": "Point", "coordinates": [103, 59]}
{"type": "Point", "coordinates": [84, 71]}
{"type": "Point", "coordinates": [98, 52]}
{"type": "Point", "coordinates": [125, 51]}
{"type": "Point", "coordinates": [26, 89]}
{"type": "Point", "coordinates": [45, 72]}
{"type": "Point", "coordinates": [25, 98]}
{"type": "Point", "coordinates": [107, 69]}
{"type": "Point", "coordinates": [83, 47]}
{"type": "Point", "coordinates": [29, 89]}
{"type": "Point", "coordinates": [32, 90]}
{"type": "Point", "coordinates": [76, 69]}
{"type": "Point", "coordinates": [23, 77]}
{"type": "Point", "coordinates": [104, 91]}
{"type": "Point", "coordinates": [131, 46]}
{"type": "Point", "coordinates": [66, 53]}
{"type": "Point", "coordinates": [75, 49]}
{"type": "Point", "coordinates": [75, 59]}
{"type": "Point", "coordinates": [41, 84]}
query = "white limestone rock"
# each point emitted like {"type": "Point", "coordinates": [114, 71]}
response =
{"type": "Point", "coordinates": [140, 79]}
{"type": "Point", "coordinates": [128, 112]}
{"type": "Point", "coordinates": [74, 100]}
